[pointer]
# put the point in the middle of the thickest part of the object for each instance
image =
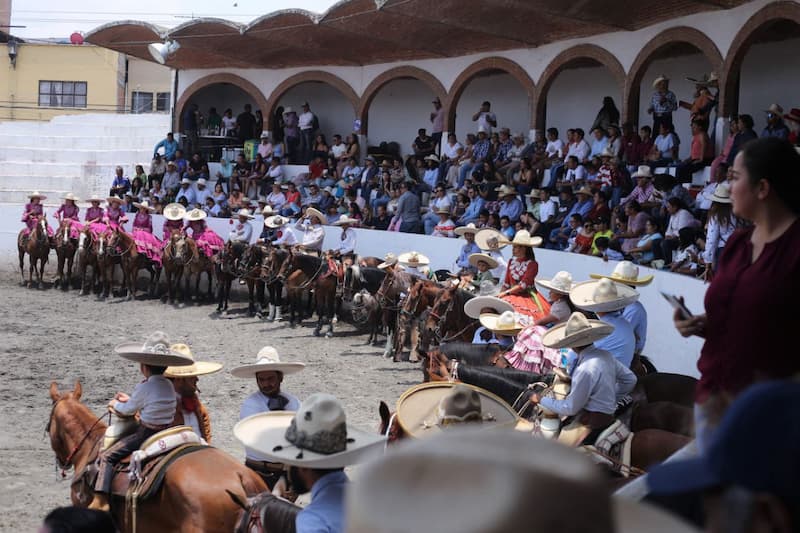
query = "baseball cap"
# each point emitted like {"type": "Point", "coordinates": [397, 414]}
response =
{"type": "Point", "coordinates": [743, 452]}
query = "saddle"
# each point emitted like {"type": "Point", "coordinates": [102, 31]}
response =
{"type": "Point", "coordinates": [613, 448]}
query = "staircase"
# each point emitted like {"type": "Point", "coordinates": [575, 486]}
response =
{"type": "Point", "coordinates": [74, 153]}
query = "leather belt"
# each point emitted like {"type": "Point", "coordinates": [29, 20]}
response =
{"type": "Point", "coordinates": [274, 468]}
{"type": "Point", "coordinates": [161, 427]}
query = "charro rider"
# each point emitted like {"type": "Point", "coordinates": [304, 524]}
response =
{"type": "Point", "coordinates": [189, 410]}
{"type": "Point", "coordinates": [469, 248]}
{"type": "Point", "coordinates": [313, 232]}
{"type": "Point", "coordinates": [268, 371]}
{"type": "Point", "coordinates": [114, 216]}
{"type": "Point", "coordinates": [33, 210]}
{"type": "Point", "coordinates": [153, 399]}
{"type": "Point", "coordinates": [94, 216]}
{"type": "Point", "coordinates": [345, 250]}
{"type": "Point", "coordinates": [146, 242]}
{"type": "Point", "coordinates": [208, 242]}
{"type": "Point", "coordinates": [173, 219]}
{"type": "Point", "coordinates": [69, 210]}
{"type": "Point", "coordinates": [415, 263]}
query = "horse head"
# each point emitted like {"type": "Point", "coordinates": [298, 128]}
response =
{"type": "Point", "coordinates": [181, 249]}
{"type": "Point", "coordinates": [85, 236]}
{"type": "Point", "coordinates": [286, 267]}
{"type": "Point", "coordinates": [70, 426]}
{"type": "Point", "coordinates": [440, 309]}
{"type": "Point", "coordinates": [389, 426]}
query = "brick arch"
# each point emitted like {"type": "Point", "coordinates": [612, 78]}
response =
{"type": "Point", "coordinates": [310, 76]}
{"type": "Point", "coordinates": [488, 63]}
{"type": "Point", "coordinates": [679, 34]}
{"type": "Point", "coordinates": [729, 78]}
{"type": "Point", "coordinates": [212, 79]}
{"type": "Point", "coordinates": [405, 71]}
{"type": "Point", "coordinates": [562, 60]}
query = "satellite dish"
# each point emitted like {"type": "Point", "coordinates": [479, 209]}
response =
{"type": "Point", "coordinates": [76, 38]}
{"type": "Point", "coordinates": [162, 51]}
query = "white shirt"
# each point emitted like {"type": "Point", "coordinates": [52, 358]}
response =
{"type": "Point", "coordinates": [681, 219]}
{"type": "Point", "coordinates": [665, 144]}
{"type": "Point", "coordinates": [188, 193]}
{"type": "Point", "coordinates": [259, 403]}
{"type": "Point", "coordinates": [305, 120]}
{"type": "Point", "coordinates": [347, 245]}
{"type": "Point", "coordinates": [338, 150]}
{"type": "Point", "coordinates": [313, 235]}
{"type": "Point", "coordinates": [276, 200]}
{"type": "Point", "coordinates": [440, 203]}
{"type": "Point", "coordinates": [555, 148]}
{"type": "Point", "coordinates": [498, 272]}
{"type": "Point", "coordinates": [241, 232]}
{"type": "Point", "coordinates": [154, 399]}
{"type": "Point", "coordinates": [575, 174]}
{"type": "Point", "coordinates": [547, 209]}
{"type": "Point", "coordinates": [229, 123]}
{"type": "Point", "coordinates": [287, 237]}
{"type": "Point", "coordinates": [276, 173]}
{"type": "Point", "coordinates": [451, 152]}
{"type": "Point", "coordinates": [200, 196]}
{"type": "Point", "coordinates": [483, 121]}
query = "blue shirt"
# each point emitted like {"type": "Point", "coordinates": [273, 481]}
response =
{"type": "Point", "coordinates": [472, 211]}
{"type": "Point", "coordinates": [170, 147]}
{"type": "Point", "coordinates": [581, 208]}
{"type": "Point", "coordinates": [325, 513]}
{"type": "Point", "coordinates": [512, 209]}
{"type": "Point", "coordinates": [480, 150]}
{"type": "Point", "coordinates": [637, 316]}
{"type": "Point", "coordinates": [598, 146]}
{"type": "Point", "coordinates": [467, 250]}
{"type": "Point", "coordinates": [621, 343]}
{"type": "Point", "coordinates": [123, 182]}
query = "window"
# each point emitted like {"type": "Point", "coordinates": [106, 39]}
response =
{"type": "Point", "coordinates": [141, 102]}
{"type": "Point", "coordinates": [162, 101]}
{"type": "Point", "coordinates": [62, 93]}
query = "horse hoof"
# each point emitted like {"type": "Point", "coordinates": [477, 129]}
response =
{"type": "Point", "coordinates": [329, 334]}
{"type": "Point", "coordinates": [335, 320]}
{"type": "Point", "coordinates": [316, 333]}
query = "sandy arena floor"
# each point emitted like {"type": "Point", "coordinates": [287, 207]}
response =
{"type": "Point", "coordinates": [51, 335]}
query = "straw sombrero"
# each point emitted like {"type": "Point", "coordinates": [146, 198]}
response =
{"type": "Point", "coordinates": [311, 212]}
{"type": "Point", "coordinates": [267, 211]}
{"type": "Point", "coordinates": [602, 296]}
{"type": "Point", "coordinates": [503, 324]}
{"type": "Point", "coordinates": [195, 214]}
{"type": "Point", "coordinates": [469, 228]}
{"type": "Point", "coordinates": [490, 239]}
{"type": "Point", "coordinates": [197, 368]}
{"type": "Point", "coordinates": [316, 436]}
{"type": "Point", "coordinates": [474, 258]}
{"type": "Point", "coordinates": [70, 196]}
{"type": "Point", "coordinates": [267, 360]}
{"type": "Point", "coordinates": [505, 190]}
{"type": "Point", "coordinates": [155, 351]}
{"type": "Point", "coordinates": [276, 221]}
{"type": "Point", "coordinates": [659, 80]}
{"type": "Point", "coordinates": [627, 273]}
{"type": "Point", "coordinates": [413, 259]}
{"type": "Point", "coordinates": [722, 194]}
{"type": "Point", "coordinates": [97, 198]}
{"type": "Point", "coordinates": [522, 238]}
{"type": "Point", "coordinates": [576, 331]}
{"type": "Point", "coordinates": [427, 409]}
{"type": "Point", "coordinates": [174, 211]}
{"type": "Point", "coordinates": [442, 211]}
{"type": "Point", "coordinates": [144, 204]}
{"type": "Point", "coordinates": [243, 212]}
{"type": "Point", "coordinates": [561, 283]}
{"type": "Point", "coordinates": [388, 260]}
{"type": "Point", "coordinates": [112, 199]}
{"type": "Point", "coordinates": [345, 220]}
{"type": "Point", "coordinates": [37, 194]}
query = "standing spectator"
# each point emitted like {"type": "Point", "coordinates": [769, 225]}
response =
{"type": "Point", "coordinates": [214, 121]}
{"type": "Point", "coordinates": [121, 184]}
{"type": "Point", "coordinates": [423, 145]}
{"type": "Point", "coordinates": [721, 225]}
{"type": "Point", "coordinates": [775, 126]}
{"type": "Point", "coordinates": [485, 118]}
{"type": "Point", "coordinates": [291, 132]}
{"type": "Point", "coordinates": [228, 123]}
{"type": "Point", "coordinates": [744, 134]}
{"type": "Point", "coordinates": [259, 129]}
{"type": "Point", "coordinates": [479, 152]}
{"type": "Point", "coordinates": [308, 124]}
{"type": "Point", "coordinates": [701, 153]}
{"type": "Point", "coordinates": [437, 123]}
{"type": "Point", "coordinates": [608, 115]}
{"type": "Point", "coordinates": [278, 125]}
{"type": "Point", "coordinates": [246, 124]}
{"type": "Point", "coordinates": [191, 122]}
{"type": "Point", "coordinates": [170, 146]}
{"type": "Point", "coordinates": [662, 103]}
{"type": "Point", "coordinates": [408, 214]}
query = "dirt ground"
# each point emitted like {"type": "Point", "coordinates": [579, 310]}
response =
{"type": "Point", "coordinates": [48, 335]}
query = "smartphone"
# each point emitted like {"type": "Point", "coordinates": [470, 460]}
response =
{"type": "Point", "coordinates": [677, 304]}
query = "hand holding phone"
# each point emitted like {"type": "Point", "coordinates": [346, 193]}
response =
{"type": "Point", "coordinates": [678, 305]}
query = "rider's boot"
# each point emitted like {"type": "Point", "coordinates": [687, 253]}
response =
{"type": "Point", "coordinates": [271, 315]}
{"type": "Point", "coordinates": [100, 502]}
{"type": "Point", "coordinates": [278, 317]}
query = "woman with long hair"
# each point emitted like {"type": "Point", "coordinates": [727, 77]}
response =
{"type": "Point", "coordinates": [519, 287]}
{"type": "Point", "coordinates": [607, 116]}
{"type": "Point", "coordinates": [720, 226]}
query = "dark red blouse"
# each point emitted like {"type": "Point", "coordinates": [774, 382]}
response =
{"type": "Point", "coordinates": [752, 315]}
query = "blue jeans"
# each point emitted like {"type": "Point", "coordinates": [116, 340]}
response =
{"type": "Point", "coordinates": [429, 220]}
{"type": "Point", "coordinates": [463, 172]}
{"type": "Point", "coordinates": [409, 227]}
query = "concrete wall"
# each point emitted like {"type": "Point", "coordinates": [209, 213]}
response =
{"type": "Point", "coordinates": [146, 76]}
{"type": "Point", "coordinates": [399, 109]}
{"type": "Point", "coordinates": [334, 111]}
{"type": "Point", "coordinates": [508, 98]}
{"type": "Point", "coordinates": [576, 96]}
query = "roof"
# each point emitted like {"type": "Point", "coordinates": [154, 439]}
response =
{"type": "Point", "coordinates": [362, 32]}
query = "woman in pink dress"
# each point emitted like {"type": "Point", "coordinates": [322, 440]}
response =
{"type": "Point", "coordinates": [94, 216]}
{"type": "Point", "coordinates": [146, 242]}
{"type": "Point", "coordinates": [34, 210]}
{"type": "Point", "coordinates": [115, 216]}
{"type": "Point", "coordinates": [207, 241]}
{"type": "Point", "coordinates": [69, 211]}
{"type": "Point", "coordinates": [173, 220]}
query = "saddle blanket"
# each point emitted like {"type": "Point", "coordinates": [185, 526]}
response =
{"type": "Point", "coordinates": [613, 448]}
{"type": "Point", "coordinates": [161, 443]}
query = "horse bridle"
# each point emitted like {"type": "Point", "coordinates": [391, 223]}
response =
{"type": "Point", "coordinates": [67, 463]}
{"type": "Point", "coordinates": [112, 249]}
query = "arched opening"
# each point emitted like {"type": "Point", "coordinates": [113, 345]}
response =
{"type": "Point", "coordinates": [677, 53]}
{"type": "Point", "coordinates": [505, 84]}
{"type": "Point", "coordinates": [573, 86]}
{"type": "Point", "coordinates": [398, 103]}
{"type": "Point", "coordinates": [762, 67]}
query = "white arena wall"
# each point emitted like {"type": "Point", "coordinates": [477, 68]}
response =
{"type": "Point", "coordinates": [669, 351]}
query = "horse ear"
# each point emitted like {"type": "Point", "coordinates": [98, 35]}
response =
{"type": "Point", "coordinates": [386, 415]}
{"type": "Point", "coordinates": [76, 393]}
{"type": "Point", "coordinates": [54, 394]}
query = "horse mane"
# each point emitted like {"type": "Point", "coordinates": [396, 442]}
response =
{"type": "Point", "coordinates": [505, 388]}
{"type": "Point", "coordinates": [372, 278]}
{"type": "Point", "coordinates": [520, 376]}
{"type": "Point", "coordinates": [468, 353]}
{"type": "Point", "coordinates": [307, 262]}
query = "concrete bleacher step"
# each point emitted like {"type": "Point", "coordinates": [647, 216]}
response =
{"type": "Point", "coordinates": [60, 169]}
{"type": "Point", "coordinates": [21, 196]}
{"type": "Point", "coordinates": [36, 155]}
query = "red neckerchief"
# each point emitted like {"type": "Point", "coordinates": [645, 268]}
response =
{"type": "Point", "coordinates": [190, 403]}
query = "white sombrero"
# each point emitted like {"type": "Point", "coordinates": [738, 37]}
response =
{"type": "Point", "coordinates": [722, 194]}
{"type": "Point", "coordinates": [576, 331]}
{"type": "Point", "coordinates": [316, 436]}
{"type": "Point", "coordinates": [469, 228]}
{"type": "Point", "coordinates": [659, 80]}
{"type": "Point", "coordinates": [243, 212]}
{"type": "Point", "coordinates": [345, 220]}
{"type": "Point", "coordinates": [505, 190]}
{"type": "Point", "coordinates": [413, 259]}
{"type": "Point", "coordinates": [602, 296]}
{"type": "Point", "coordinates": [488, 259]}
{"type": "Point", "coordinates": [490, 239]}
{"type": "Point", "coordinates": [144, 204]}
{"type": "Point", "coordinates": [174, 211]}
{"type": "Point", "coordinates": [155, 351]}
{"type": "Point", "coordinates": [426, 409]}
{"type": "Point", "coordinates": [486, 299]}
{"type": "Point", "coordinates": [70, 196]}
{"type": "Point", "coordinates": [522, 238]}
{"type": "Point", "coordinates": [267, 211]}
{"type": "Point", "coordinates": [96, 198]}
{"type": "Point", "coordinates": [503, 324]}
{"type": "Point", "coordinates": [311, 212]}
{"type": "Point", "coordinates": [112, 199]}
{"type": "Point", "coordinates": [195, 214]}
{"type": "Point", "coordinates": [276, 221]}
{"type": "Point", "coordinates": [37, 194]}
{"type": "Point", "coordinates": [197, 368]}
{"type": "Point", "coordinates": [267, 360]}
{"type": "Point", "coordinates": [388, 260]}
{"type": "Point", "coordinates": [561, 283]}
{"type": "Point", "coordinates": [627, 273]}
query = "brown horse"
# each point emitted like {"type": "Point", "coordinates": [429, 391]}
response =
{"type": "Point", "coordinates": [106, 258]}
{"type": "Point", "coordinates": [420, 298]}
{"type": "Point", "coordinates": [447, 320]}
{"type": "Point", "coordinates": [252, 265]}
{"type": "Point", "coordinates": [227, 269]}
{"type": "Point", "coordinates": [302, 272]}
{"type": "Point", "coordinates": [37, 246]}
{"type": "Point", "coordinates": [87, 258]}
{"type": "Point", "coordinates": [65, 252]}
{"type": "Point", "coordinates": [393, 286]}
{"type": "Point", "coordinates": [193, 495]}
{"type": "Point", "coordinates": [122, 244]}
{"type": "Point", "coordinates": [199, 264]}
{"type": "Point", "coordinates": [174, 258]}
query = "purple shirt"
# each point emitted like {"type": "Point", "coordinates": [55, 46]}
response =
{"type": "Point", "coordinates": [144, 222]}
{"type": "Point", "coordinates": [31, 211]}
{"type": "Point", "coordinates": [114, 215]}
{"type": "Point", "coordinates": [93, 213]}
{"type": "Point", "coordinates": [198, 227]}
{"type": "Point", "coordinates": [69, 211]}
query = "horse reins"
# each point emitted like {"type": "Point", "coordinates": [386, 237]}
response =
{"type": "Point", "coordinates": [66, 463]}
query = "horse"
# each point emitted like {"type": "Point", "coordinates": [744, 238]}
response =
{"type": "Point", "coordinates": [447, 320]}
{"type": "Point", "coordinates": [357, 278]}
{"type": "Point", "coordinates": [270, 267]}
{"type": "Point", "coordinates": [388, 296]}
{"type": "Point", "coordinates": [436, 364]}
{"type": "Point", "coordinates": [226, 268]}
{"type": "Point", "coordinates": [37, 246]}
{"type": "Point", "coordinates": [265, 513]}
{"type": "Point", "coordinates": [369, 261]}
{"type": "Point", "coordinates": [192, 496]}
{"type": "Point", "coordinates": [199, 265]}
{"type": "Point", "coordinates": [421, 297]}
{"type": "Point", "coordinates": [87, 259]}
{"type": "Point", "coordinates": [310, 268]}
{"type": "Point", "coordinates": [106, 258]}
{"type": "Point", "coordinates": [177, 253]}
{"type": "Point", "coordinates": [65, 252]}
{"type": "Point", "coordinates": [252, 266]}
{"type": "Point", "coordinates": [122, 244]}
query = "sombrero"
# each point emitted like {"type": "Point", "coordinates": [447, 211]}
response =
{"type": "Point", "coordinates": [112, 199]}
{"type": "Point", "coordinates": [561, 283]}
{"type": "Point", "coordinates": [474, 258]}
{"type": "Point", "coordinates": [197, 368]}
{"type": "Point", "coordinates": [722, 194]}
{"type": "Point", "coordinates": [97, 198]}
{"type": "Point", "coordinates": [584, 190]}
{"type": "Point", "coordinates": [427, 409]}
{"type": "Point", "coordinates": [311, 212]}
{"type": "Point", "coordinates": [490, 239]}
{"type": "Point", "coordinates": [155, 351]}
{"type": "Point", "coordinates": [502, 324]}
{"type": "Point", "coordinates": [267, 211]}
{"type": "Point", "coordinates": [627, 273]}
{"type": "Point", "coordinates": [486, 299]}
{"type": "Point", "coordinates": [443, 211]}
{"type": "Point", "coordinates": [37, 194]}
{"type": "Point", "coordinates": [413, 259]}
{"type": "Point", "coordinates": [267, 360]}
{"type": "Point", "coordinates": [275, 221]}
{"type": "Point", "coordinates": [659, 80]}
{"type": "Point", "coordinates": [469, 228]}
{"type": "Point", "coordinates": [505, 190]}
{"type": "Point", "coordinates": [174, 211]}
{"type": "Point", "coordinates": [388, 260]}
{"type": "Point", "coordinates": [144, 204]}
{"type": "Point", "coordinates": [195, 214]}
{"type": "Point", "coordinates": [602, 296]}
{"type": "Point", "coordinates": [576, 331]}
{"type": "Point", "coordinates": [522, 238]}
{"type": "Point", "coordinates": [316, 436]}
{"type": "Point", "coordinates": [244, 212]}
{"type": "Point", "coordinates": [345, 220]}
{"type": "Point", "coordinates": [70, 196]}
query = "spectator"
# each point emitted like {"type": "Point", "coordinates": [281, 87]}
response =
{"type": "Point", "coordinates": [241, 171]}
{"type": "Point", "coordinates": [548, 209]}
{"type": "Point", "coordinates": [408, 212]}
{"type": "Point", "coordinates": [744, 135]}
{"type": "Point", "coordinates": [679, 218]}
{"type": "Point", "coordinates": [602, 230]}
{"type": "Point", "coordinates": [278, 126]}
{"type": "Point", "coordinates": [423, 144]}
{"type": "Point", "coordinates": [381, 219]}
{"type": "Point", "coordinates": [600, 207]}
{"type": "Point", "coordinates": [180, 162]}
{"type": "Point", "coordinates": [259, 126]}
{"type": "Point", "coordinates": [440, 201]}
{"type": "Point", "coordinates": [196, 168]}
{"type": "Point", "coordinates": [172, 180]}
{"type": "Point", "coordinates": [721, 225]}
{"type": "Point", "coordinates": [214, 121]}
{"type": "Point", "coordinates": [614, 140]}
{"type": "Point", "coordinates": [291, 134]}
{"type": "Point", "coordinates": [327, 200]}
{"type": "Point", "coordinates": [158, 167]}
{"type": "Point", "coordinates": [485, 118]}
{"type": "Point", "coordinates": [575, 175]}
{"type": "Point", "coordinates": [137, 187]}
{"type": "Point", "coordinates": [645, 147]}
{"type": "Point", "coordinates": [685, 258]}
{"type": "Point", "coordinates": [647, 245]}
{"type": "Point", "coordinates": [662, 104]}
{"type": "Point", "coordinates": [506, 228]}
{"type": "Point", "coordinates": [476, 204]}
{"type": "Point", "coordinates": [169, 144]}
{"type": "Point", "coordinates": [775, 126]}
{"type": "Point", "coordinates": [722, 158]}
{"type": "Point", "coordinates": [464, 158]}
{"type": "Point", "coordinates": [219, 195]}
{"type": "Point", "coordinates": [191, 122]}
{"type": "Point", "coordinates": [501, 156]}
{"type": "Point", "coordinates": [479, 153]}
{"type": "Point", "coordinates": [228, 123]}
{"type": "Point", "coordinates": [510, 205]}
{"type": "Point", "coordinates": [669, 187]}
{"type": "Point", "coordinates": [313, 196]}
{"type": "Point", "coordinates": [665, 148]}
{"type": "Point", "coordinates": [605, 250]}
{"type": "Point", "coordinates": [186, 192]}
{"type": "Point", "coordinates": [445, 227]}
{"type": "Point", "coordinates": [236, 199]}
{"type": "Point", "coordinates": [701, 153]}
{"type": "Point", "coordinates": [563, 238]}
{"type": "Point", "coordinates": [121, 184]}
{"type": "Point", "coordinates": [252, 183]}
{"type": "Point", "coordinates": [202, 192]}
{"type": "Point", "coordinates": [338, 149]}
{"type": "Point", "coordinates": [276, 199]}
{"type": "Point", "coordinates": [265, 148]}
{"type": "Point", "coordinates": [437, 123]}
{"type": "Point", "coordinates": [308, 124]}
{"type": "Point", "coordinates": [608, 115]}
{"type": "Point", "coordinates": [246, 124]}
{"type": "Point", "coordinates": [156, 192]}
{"type": "Point", "coordinates": [634, 226]}
{"type": "Point", "coordinates": [293, 201]}
{"type": "Point", "coordinates": [793, 123]}
{"type": "Point", "coordinates": [224, 173]}
{"type": "Point", "coordinates": [644, 190]}
{"type": "Point", "coordinates": [321, 148]}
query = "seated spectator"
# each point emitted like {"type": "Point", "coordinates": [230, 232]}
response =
{"type": "Point", "coordinates": [679, 218]}
{"type": "Point", "coordinates": [224, 173]}
{"type": "Point", "coordinates": [634, 226]}
{"type": "Point", "coordinates": [548, 211]}
{"type": "Point", "coordinates": [313, 196]}
{"type": "Point", "coordinates": [354, 211]}
{"type": "Point", "coordinates": [181, 163]}
{"type": "Point", "coordinates": [236, 199]}
{"type": "Point", "coordinates": [499, 153]}
{"type": "Point", "coordinates": [158, 167]}
{"type": "Point", "coordinates": [219, 195]}
{"type": "Point", "coordinates": [510, 205]}
{"type": "Point", "coordinates": [615, 140]}
{"type": "Point", "coordinates": [156, 192]}
{"type": "Point", "coordinates": [241, 171]}
{"type": "Point", "coordinates": [276, 199]}
{"type": "Point", "coordinates": [744, 134]}
{"type": "Point", "coordinates": [381, 219]}
{"type": "Point", "coordinates": [524, 180]}
{"type": "Point", "coordinates": [316, 167]}
{"type": "Point", "coordinates": [293, 202]}
{"type": "Point", "coordinates": [665, 148]}
{"type": "Point", "coordinates": [320, 148]}
{"type": "Point", "coordinates": [563, 238]}
{"type": "Point", "coordinates": [506, 228]}
{"type": "Point", "coordinates": [644, 192]}
{"type": "Point", "coordinates": [352, 196]}
{"type": "Point", "coordinates": [338, 149]}
{"type": "Point", "coordinates": [480, 152]}
{"type": "Point", "coordinates": [439, 202]}
{"type": "Point", "coordinates": [606, 250]}
{"type": "Point", "coordinates": [211, 207]}
{"type": "Point", "coordinates": [137, 187]}
{"type": "Point", "coordinates": [445, 227]}
{"type": "Point", "coordinates": [647, 245]}
{"type": "Point", "coordinates": [120, 185]}
{"type": "Point", "coordinates": [476, 204]}
{"type": "Point", "coordinates": [645, 147]}
{"type": "Point", "coordinates": [600, 207]}
{"type": "Point", "coordinates": [423, 144]}
{"type": "Point", "coordinates": [685, 258]}
{"type": "Point", "coordinates": [583, 239]}
{"type": "Point", "coordinates": [265, 148]}
{"type": "Point", "coordinates": [775, 126]}
{"type": "Point", "coordinates": [464, 157]}
{"type": "Point", "coordinates": [553, 152]}
{"type": "Point", "coordinates": [201, 192]}
{"type": "Point", "coordinates": [431, 176]}
{"type": "Point", "coordinates": [669, 187]}
{"type": "Point", "coordinates": [599, 143]}
{"type": "Point", "coordinates": [172, 179]}
{"type": "Point", "coordinates": [602, 228]}
{"type": "Point", "coordinates": [462, 202]}
{"type": "Point", "coordinates": [575, 175]}
{"type": "Point", "coordinates": [701, 154]}
{"type": "Point", "coordinates": [351, 173]}
{"type": "Point", "coordinates": [186, 192]}
{"type": "Point", "coordinates": [326, 199]}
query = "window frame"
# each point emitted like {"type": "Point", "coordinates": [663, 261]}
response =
{"type": "Point", "coordinates": [54, 94]}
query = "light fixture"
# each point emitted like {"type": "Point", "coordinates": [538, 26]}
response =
{"type": "Point", "coordinates": [12, 52]}
{"type": "Point", "coordinates": [162, 51]}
